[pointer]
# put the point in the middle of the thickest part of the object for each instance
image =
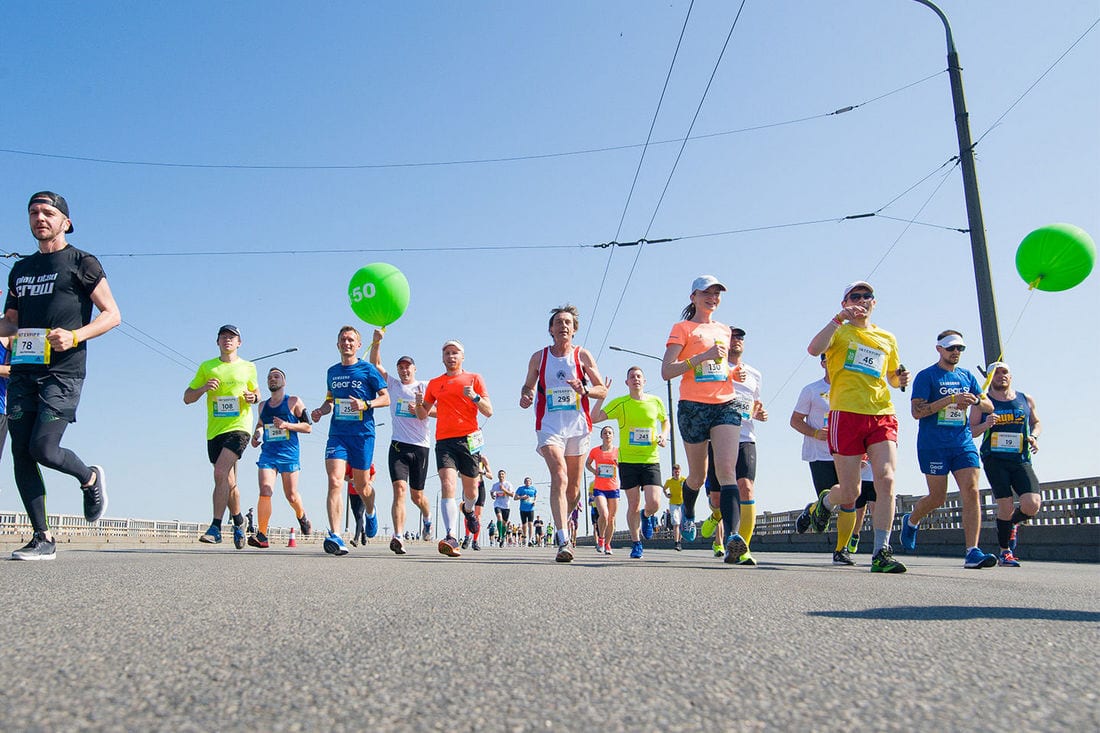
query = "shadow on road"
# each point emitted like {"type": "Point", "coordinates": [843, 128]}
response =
{"type": "Point", "coordinates": [962, 613]}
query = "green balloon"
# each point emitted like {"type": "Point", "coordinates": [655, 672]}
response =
{"type": "Point", "coordinates": [1056, 257]}
{"type": "Point", "coordinates": [378, 293]}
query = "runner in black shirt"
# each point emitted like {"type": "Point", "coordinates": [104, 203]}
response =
{"type": "Point", "coordinates": [49, 311]}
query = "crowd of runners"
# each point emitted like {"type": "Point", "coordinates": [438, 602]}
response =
{"type": "Point", "coordinates": [847, 419]}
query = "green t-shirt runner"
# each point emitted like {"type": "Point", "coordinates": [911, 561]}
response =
{"type": "Point", "coordinates": [639, 426]}
{"type": "Point", "coordinates": [226, 409]}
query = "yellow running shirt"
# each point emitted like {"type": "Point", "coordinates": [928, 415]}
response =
{"type": "Point", "coordinates": [226, 409]}
{"type": "Point", "coordinates": [858, 360]}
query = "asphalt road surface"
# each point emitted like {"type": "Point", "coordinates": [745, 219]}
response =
{"type": "Point", "coordinates": [192, 638]}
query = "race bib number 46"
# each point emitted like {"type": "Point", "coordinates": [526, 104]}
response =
{"type": "Point", "coordinates": [865, 360]}
{"type": "Point", "coordinates": [31, 347]}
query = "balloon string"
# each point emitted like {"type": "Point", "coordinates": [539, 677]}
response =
{"type": "Point", "coordinates": [1031, 294]}
{"type": "Point", "coordinates": [1034, 283]}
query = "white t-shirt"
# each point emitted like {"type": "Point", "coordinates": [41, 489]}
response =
{"type": "Point", "coordinates": [745, 395]}
{"type": "Point", "coordinates": [407, 427]}
{"type": "Point", "coordinates": [813, 402]}
{"type": "Point", "coordinates": [500, 499]}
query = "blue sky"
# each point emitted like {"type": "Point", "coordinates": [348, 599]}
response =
{"type": "Point", "coordinates": [489, 248]}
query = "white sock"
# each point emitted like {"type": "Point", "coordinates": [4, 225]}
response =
{"type": "Point", "coordinates": [450, 516]}
{"type": "Point", "coordinates": [468, 505]}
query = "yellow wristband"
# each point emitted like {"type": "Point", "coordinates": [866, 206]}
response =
{"type": "Point", "coordinates": [688, 362]}
{"type": "Point", "coordinates": [76, 340]}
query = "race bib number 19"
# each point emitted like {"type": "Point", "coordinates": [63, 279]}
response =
{"type": "Point", "coordinates": [1001, 442]}
{"type": "Point", "coordinates": [31, 347]}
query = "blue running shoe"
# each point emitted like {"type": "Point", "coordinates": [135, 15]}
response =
{"type": "Point", "coordinates": [908, 534]}
{"type": "Point", "coordinates": [371, 525]}
{"type": "Point", "coordinates": [334, 545]}
{"type": "Point", "coordinates": [426, 530]}
{"type": "Point", "coordinates": [688, 531]}
{"type": "Point", "coordinates": [1008, 560]}
{"type": "Point", "coordinates": [213, 536]}
{"type": "Point", "coordinates": [636, 550]}
{"type": "Point", "coordinates": [976, 559]}
{"type": "Point", "coordinates": [648, 525]}
{"type": "Point", "coordinates": [238, 536]}
{"type": "Point", "coordinates": [735, 548]}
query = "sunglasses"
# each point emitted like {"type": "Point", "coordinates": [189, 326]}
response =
{"type": "Point", "coordinates": [954, 348]}
{"type": "Point", "coordinates": [861, 296]}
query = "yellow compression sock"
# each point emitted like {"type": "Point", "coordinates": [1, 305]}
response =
{"type": "Point", "coordinates": [845, 524]}
{"type": "Point", "coordinates": [748, 520]}
{"type": "Point", "coordinates": [263, 513]}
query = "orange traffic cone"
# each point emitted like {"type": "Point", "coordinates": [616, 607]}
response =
{"type": "Point", "coordinates": [292, 542]}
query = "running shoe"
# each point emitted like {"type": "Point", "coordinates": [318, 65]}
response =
{"type": "Point", "coordinates": [238, 536]}
{"type": "Point", "coordinates": [213, 536]}
{"type": "Point", "coordinates": [679, 547]}
{"type": "Point", "coordinates": [258, 540]}
{"type": "Point", "coordinates": [305, 525]}
{"type": "Point", "coordinates": [39, 548]}
{"type": "Point", "coordinates": [884, 562]}
{"type": "Point", "coordinates": [426, 533]}
{"type": "Point", "coordinates": [466, 542]}
{"type": "Point", "coordinates": [803, 522]}
{"type": "Point", "coordinates": [688, 530]}
{"type": "Point", "coordinates": [95, 496]}
{"type": "Point", "coordinates": [746, 559]}
{"type": "Point", "coordinates": [649, 525]}
{"type": "Point", "coordinates": [735, 548]}
{"type": "Point", "coordinates": [449, 546]}
{"type": "Point", "coordinates": [370, 523]}
{"type": "Point", "coordinates": [473, 526]}
{"type": "Point", "coordinates": [354, 541]}
{"type": "Point", "coordinates": [719, 550]}
{"type": "Point", "coordinates": [840, 557]}
{"type": "Point", "coordinates": [820, 515]}
{"type": "Point", "coordinates": [607, 550]}
{"type": "Point", "coordinates": [636, 550]}
{"type": "Point", "coordinates": [334, 545]}
{"type": "Point", "coordinates": [908, 533]}
{"type": "Point", "coordinates": [976, 559]}
{"type": "Point", "coordinates": [1008, 560]}
{"type": "Point", "coordinates": [565, 553]}
{"type": "Point", "coordinates": [397, 546]}
{"type": "Point", "coordinates": [475, 545]}
{"type": "Point", "coordinates": [853, 544]}
{"type": "Point", "coordinates": [710, 524]}
{"type": "Point", "coordinates": [1012, 539]}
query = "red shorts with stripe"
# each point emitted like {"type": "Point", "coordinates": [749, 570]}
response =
{"type": "Point", "coordinates": [851, 433]}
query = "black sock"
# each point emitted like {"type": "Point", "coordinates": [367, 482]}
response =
{"type": "Point", "coordinates": [238, 519]}
{"type": "Point", "coordinates": [217, 522]}
{"type": "Point", "coordinates": [730, 504]}
{"type": "Point", "coordinates": [1019, 517]}
{"type": "Point", "coordinates": [690, 497]}
{"type": "Point", "coordinates": [1004, 532]}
